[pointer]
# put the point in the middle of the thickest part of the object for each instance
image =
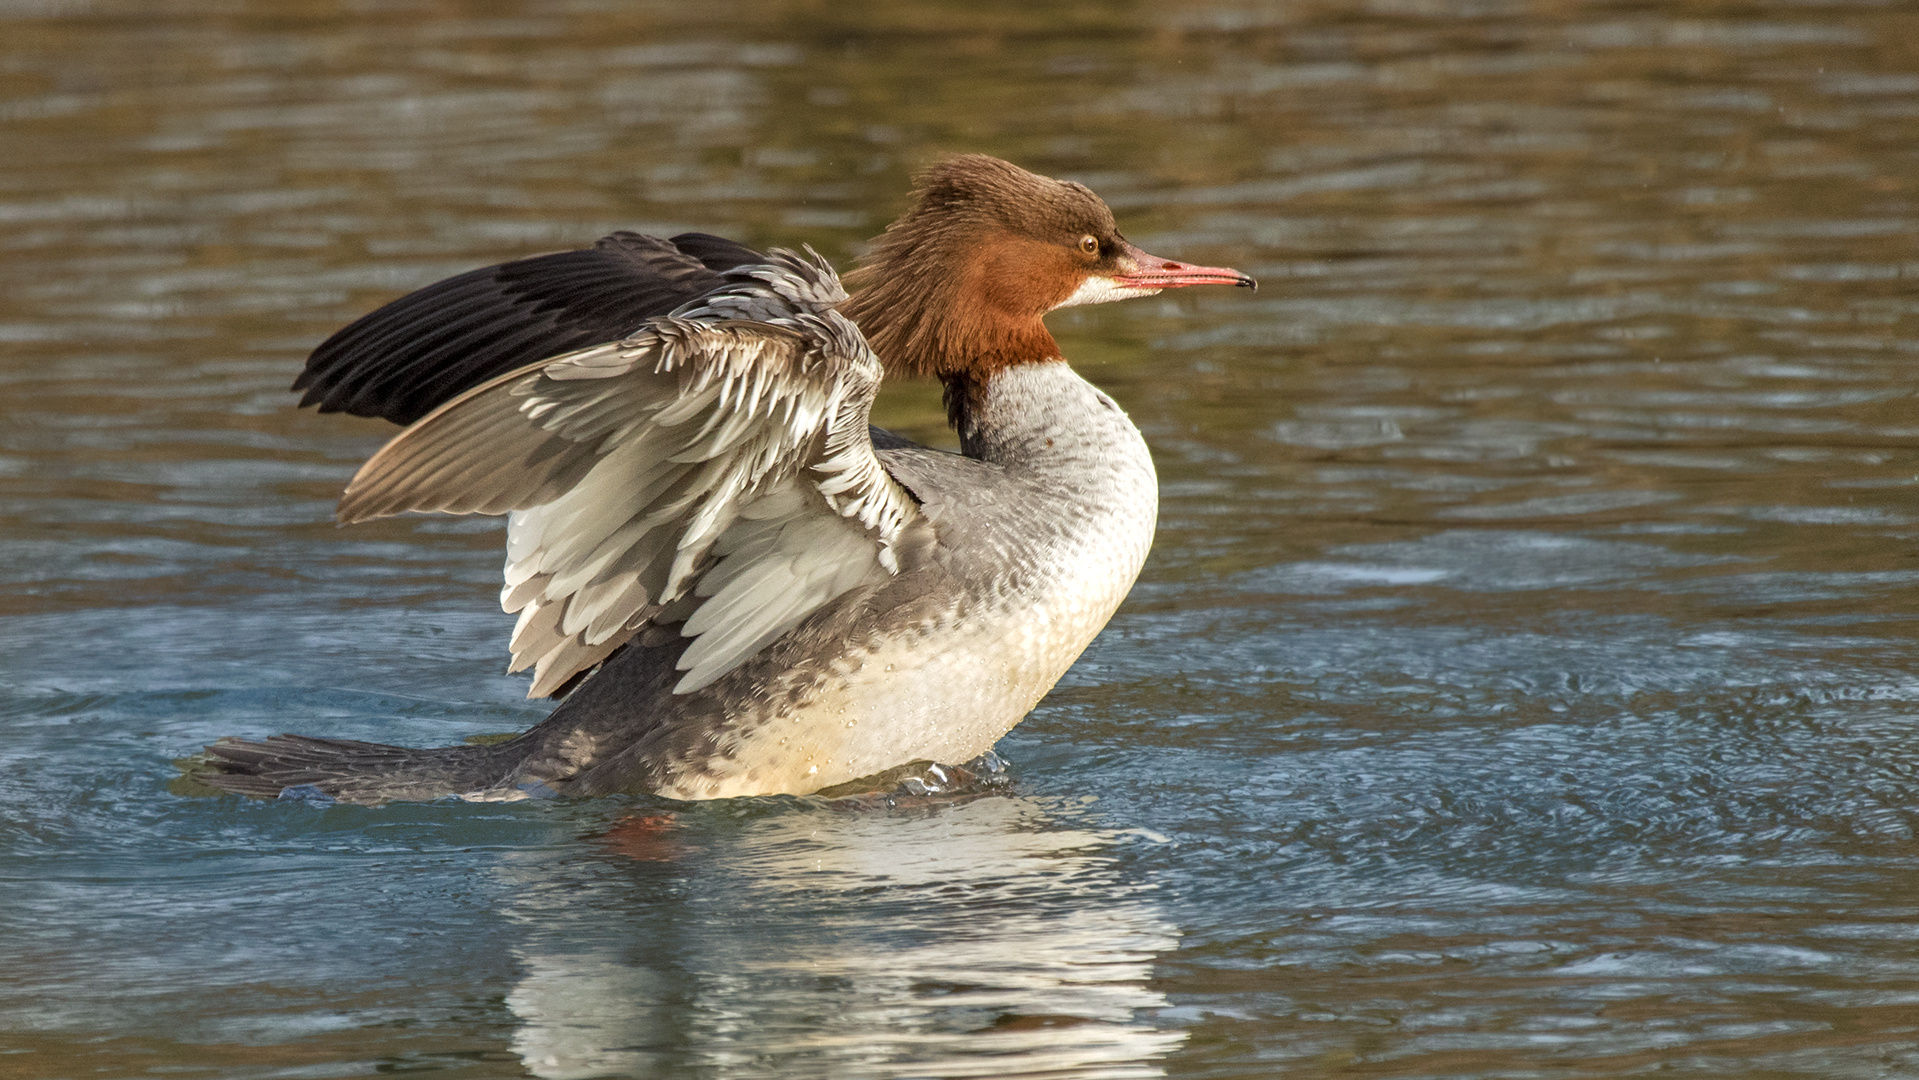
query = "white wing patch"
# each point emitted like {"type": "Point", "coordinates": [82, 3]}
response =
{"type": "Point", "coordinates": [709, 471]}
{"type": "Point", "coordinates": [782, 561]}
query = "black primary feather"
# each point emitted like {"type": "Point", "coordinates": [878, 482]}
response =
{"type": "Point", "coordinates": [422, 350]}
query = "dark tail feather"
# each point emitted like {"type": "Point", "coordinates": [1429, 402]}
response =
{"type": "Point", "coordinates": [347, 771]}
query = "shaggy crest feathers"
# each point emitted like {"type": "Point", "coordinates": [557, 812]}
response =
{"type": "Point", "coordinates": [955, 288]}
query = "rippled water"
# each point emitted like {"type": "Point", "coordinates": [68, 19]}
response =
{"type": "Point", "coordinates": [1522, 684]}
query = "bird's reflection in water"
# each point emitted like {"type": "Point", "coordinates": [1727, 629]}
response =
{"type": "Point", "coordinates": [984, 938]}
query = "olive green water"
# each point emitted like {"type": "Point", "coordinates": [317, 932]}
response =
{"type": "Point", "coordinates": [1523, 683]}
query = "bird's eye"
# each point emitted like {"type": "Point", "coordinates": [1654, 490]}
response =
{"type": "Point", "coordinates": [1089, 244]}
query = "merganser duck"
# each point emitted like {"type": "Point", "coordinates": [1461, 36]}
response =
{"type": "Point", "coordinates": [735, 585]}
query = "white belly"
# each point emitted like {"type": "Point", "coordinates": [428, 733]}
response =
{"type": "Point", "coordinates": [946, 696]}
{"type": "Point", "coordinates": [947, 703]}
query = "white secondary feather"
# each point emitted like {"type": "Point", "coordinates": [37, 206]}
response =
{"type": "Point", "coordinates": [714, 468]}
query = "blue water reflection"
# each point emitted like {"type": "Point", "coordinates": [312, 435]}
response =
{"type": "Point", "coordinates": [978, 939]}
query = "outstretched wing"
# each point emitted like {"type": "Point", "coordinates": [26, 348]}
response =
{"type": "Point", "coordinates": [715, 474]}
{"type": "Point", "coordinates": [416, 353]}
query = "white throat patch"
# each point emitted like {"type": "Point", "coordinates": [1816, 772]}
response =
{"type": "Point", "coordinates": [1099, 290]}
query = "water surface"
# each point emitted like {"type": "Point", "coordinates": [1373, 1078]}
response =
{"type": "Point", "coordinates": [1522, 683]}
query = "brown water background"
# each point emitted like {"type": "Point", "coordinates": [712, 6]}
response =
{"type": "Point", "coordinates": [1522, 684]}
